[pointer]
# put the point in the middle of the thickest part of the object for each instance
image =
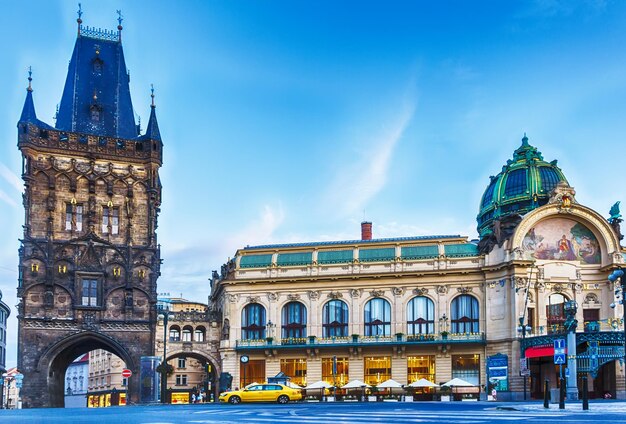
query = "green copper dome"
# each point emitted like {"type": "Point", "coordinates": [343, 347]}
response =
{"type": "Point", "coordinates": [524, 184]}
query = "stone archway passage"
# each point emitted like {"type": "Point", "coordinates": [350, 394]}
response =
{"type": "Point", "coordinates": [45, 387]}
{"type": "Point", "coordinates": [210, 372]}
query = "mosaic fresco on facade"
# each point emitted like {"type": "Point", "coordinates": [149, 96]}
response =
{"type": "Point", "coordinates": [561, 239]}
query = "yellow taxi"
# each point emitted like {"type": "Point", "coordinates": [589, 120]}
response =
{"type": "Point", "coordinates": [262, 393]}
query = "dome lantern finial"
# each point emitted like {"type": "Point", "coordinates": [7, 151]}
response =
{"type": "Point", "coordinates": [525, 140]}
{"type": "Point", "coordinates": [80, 14]}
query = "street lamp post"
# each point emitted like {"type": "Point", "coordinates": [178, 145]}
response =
{"type": "Point", "coordinates": [523, 329]}
{"type": "Point", "coordinates": [164, 368]}
{"type": "Point", "coordinates": [613, 277]}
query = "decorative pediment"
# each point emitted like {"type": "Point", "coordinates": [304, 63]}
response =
{"type": "Point", "coordinates": [90, 259]}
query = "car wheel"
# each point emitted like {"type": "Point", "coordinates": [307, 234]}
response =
{"type": "Point", "coordinates": [234, 400]}
{"type": "Point", "coordinates": [283, 399]}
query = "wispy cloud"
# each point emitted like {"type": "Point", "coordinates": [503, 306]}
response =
{"type": "Point", "coordinates": [14, 180]}
{"type": "Point", "coordinates": [358, 182]}
{"type": "Point", "coordinates": [8, 199]}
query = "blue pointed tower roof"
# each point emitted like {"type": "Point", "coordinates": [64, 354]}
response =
{"type": "Point", "coordinates": [28, 111]}
{"type": "Point", "coordinates": [96, 98]}
{"type": "Point", "coordinates": [152, 130]}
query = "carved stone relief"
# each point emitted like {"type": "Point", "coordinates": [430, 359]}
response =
{"type": "Point", "coordinates": [420, 291]}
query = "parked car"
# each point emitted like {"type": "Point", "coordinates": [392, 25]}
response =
{"type": "Point", "coordinates": [262, 393]}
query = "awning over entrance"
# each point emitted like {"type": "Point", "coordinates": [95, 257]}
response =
{"type": "Point", "coordinates": [539, 351]}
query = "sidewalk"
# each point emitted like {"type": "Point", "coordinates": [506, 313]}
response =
{"type": "Point", "coordinates": [602, 406]}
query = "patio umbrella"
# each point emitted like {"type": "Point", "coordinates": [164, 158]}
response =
{"type": "Point", "coordinates": [422, 382]}
{"type": "Point", "coordinates": [355, 384]}
{"type": "Point", "coordinates": [389, 384]}
{"type": "Point", "coordinates": [319, 385]}
{"type": "Point", "coordinates": [457, 382]}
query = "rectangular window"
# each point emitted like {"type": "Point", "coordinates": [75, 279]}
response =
{"type": "Point", "coordinates": [466, 367]}
{"type": "Point", "coordinates": [253, 371]}
{"type": "Point", "coordinates": [90, 292]}
{"type": "Point", "coordinates": [377, 369]}
{"type": "Point", "coordinates": [124, 381]}
{"type": "Point", "coordinates": [73, 217]}
{"type": "Point", "coordinates": [296, 369]}
{"type": "Point", "coordinates": [181, 379]}
{"type": "Point", "coordinates": [110, 220]}
{"type": "Point", "coordinates": [419, 367]}
{"type": "Point", "coordinates": [340, 375]}
{"type": "Point", "coordinates": [182, 362]}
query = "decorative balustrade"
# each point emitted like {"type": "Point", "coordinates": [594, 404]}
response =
{"type": "Point", "coordinates": [364, 340]}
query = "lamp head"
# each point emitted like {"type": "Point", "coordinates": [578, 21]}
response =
{"type": "Point", "coordinates": [618, 273]}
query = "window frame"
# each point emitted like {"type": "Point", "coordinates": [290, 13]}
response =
{"type": "Point", "coordinates": [375, 326]}
{"type": "Point", "coordinates": [341, 314]}
{"type": "Point", "coordinates": [96, 277]}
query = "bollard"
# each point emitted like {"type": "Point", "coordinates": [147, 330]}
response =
{"type": "Point", "coordinates": [546, 394]}
{"type": "Point", "coordinates": [585, 394]}
{"type": "Point", "coordinates": [561, 393]}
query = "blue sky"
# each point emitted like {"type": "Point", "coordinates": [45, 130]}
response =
{"type": "Point", "coordinates": [294, 121]}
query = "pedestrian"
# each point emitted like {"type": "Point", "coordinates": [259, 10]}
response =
{"type": "Point", "coordinates": [494, 394]}
{"type": "Point", "coordinates": [193, 398]}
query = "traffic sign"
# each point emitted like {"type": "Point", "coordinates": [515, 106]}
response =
{"type": "Point", "coordinates": [524, 371]}
{"type": "Point", "coordinates": [559, 346]}
{"type": "Point", "coordinates": [559, 359]}
{"type": "Point", "coordinates": [126, 373]}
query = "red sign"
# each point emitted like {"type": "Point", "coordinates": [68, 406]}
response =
{"type": "Point", "coordinates": [126, 373]}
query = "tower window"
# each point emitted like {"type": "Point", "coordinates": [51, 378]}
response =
{"type": "Point", "coordinates": [89, 292]}
{"type": "Point", "coordinates": [95, 114]}
{"type": "Point", "coordinates": [110, 220]}
{"type": "Point", "coordinates": [73, 217]}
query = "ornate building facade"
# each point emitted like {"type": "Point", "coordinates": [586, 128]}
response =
{"type": "Point", "coordinates": [437, 307]}
{"type": "Point", "coordinates": [89, 258]}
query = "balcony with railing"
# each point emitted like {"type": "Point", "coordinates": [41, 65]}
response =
{"type": "Point", "coordinates": [359, 340]}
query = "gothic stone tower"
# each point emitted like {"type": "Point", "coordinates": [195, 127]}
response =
{"type": "Point", "coordinates": [89, 259]}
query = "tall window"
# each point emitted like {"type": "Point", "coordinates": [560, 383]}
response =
{"type": "Point", "coordinates": [377, 317]}
{"type": "Point", "coordinates": [419, 367]}
{"type": "Point", "coordinates": [421, 315]}
{"type": "Point", "coordinates": [338, 376]}
{"type": "Point", "coordinates": [555, 312]}
{"type": "Point", "coordinates": [73, 217]}
{"type": "Point", "coordinates": [174, 333]}
{"type": "Point", "coordinates": [253, 371]}
{"type": "Point", "coordinates": [377, 369]}
{"type": "Point", "coordinates": [464, 314]}
{"type": "Point", "coordinates": [335, 319]}
{"type": "Point", "coordinates": [110, 220]}
{"type": "Point", "coordinates": [294, 320]}
{"type": "Point", "coordinates": [198, 334]}
{"type": "Point", "coordinates": [296, 369]}
{"type": "Point", "coordinates": [253, 322]}
{"type": "Point", "coordinates": [187, 334]}
{"type": "Point", "coordinates": [90, 292]}
{"type": "Point", "coordinates": [466, 367]}
{"type": "Point", "coordinates": [181, 380]}
{"type": "Point", "coordinates": [182, 362]}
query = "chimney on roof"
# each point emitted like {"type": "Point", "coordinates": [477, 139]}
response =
{"type": "Point", "coordinates": [366, 230]}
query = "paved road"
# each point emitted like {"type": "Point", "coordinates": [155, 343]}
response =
{"type": "Point", "coordinates": [304, 413]}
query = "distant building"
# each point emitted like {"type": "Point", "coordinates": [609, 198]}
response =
{"type": "Point", "coordinates": [191, 339]}
{"type": "Point", "coordinates": [76, 380]}
{"type": "Point", "coordinates": [4, 316]}
{"type": "Point", "coordinates": [106, 385]}
{"type": "Point", "coordinates": [10, 392]}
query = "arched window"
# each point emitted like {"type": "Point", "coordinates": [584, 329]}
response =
{"type": "Point", "coordinates": [174, 333]}
{"type": "Point", "coordinates": [187, 330]}
{"type": "Point", "coordinates": [555, 312]}
{"type": "Point", "coordinates": [335, 319]}
{"type": "Point", "coordinates": [198, 334]}
{"type": "Point", "coordinates": [421, 316]}
{"type": "Point", "coordinates": [294, 320]}
{"type": "Point", "coordinates": [253, 322]}
{"type": "Point", "coordinates": [377, 317]}
{"type": "Point", "coordinates": [464, 314]}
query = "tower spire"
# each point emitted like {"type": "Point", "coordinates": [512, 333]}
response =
{"type": "Point", "coordinates": [152, 129]}
{"type": "Point", "coordinates": [80, 14]}
{"type": "Point", "coordinates": [30, 79]}
{"type": "Point", "coordinates": [119, 24]}
{"type": "Point", "coordinates": [152, 105]}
